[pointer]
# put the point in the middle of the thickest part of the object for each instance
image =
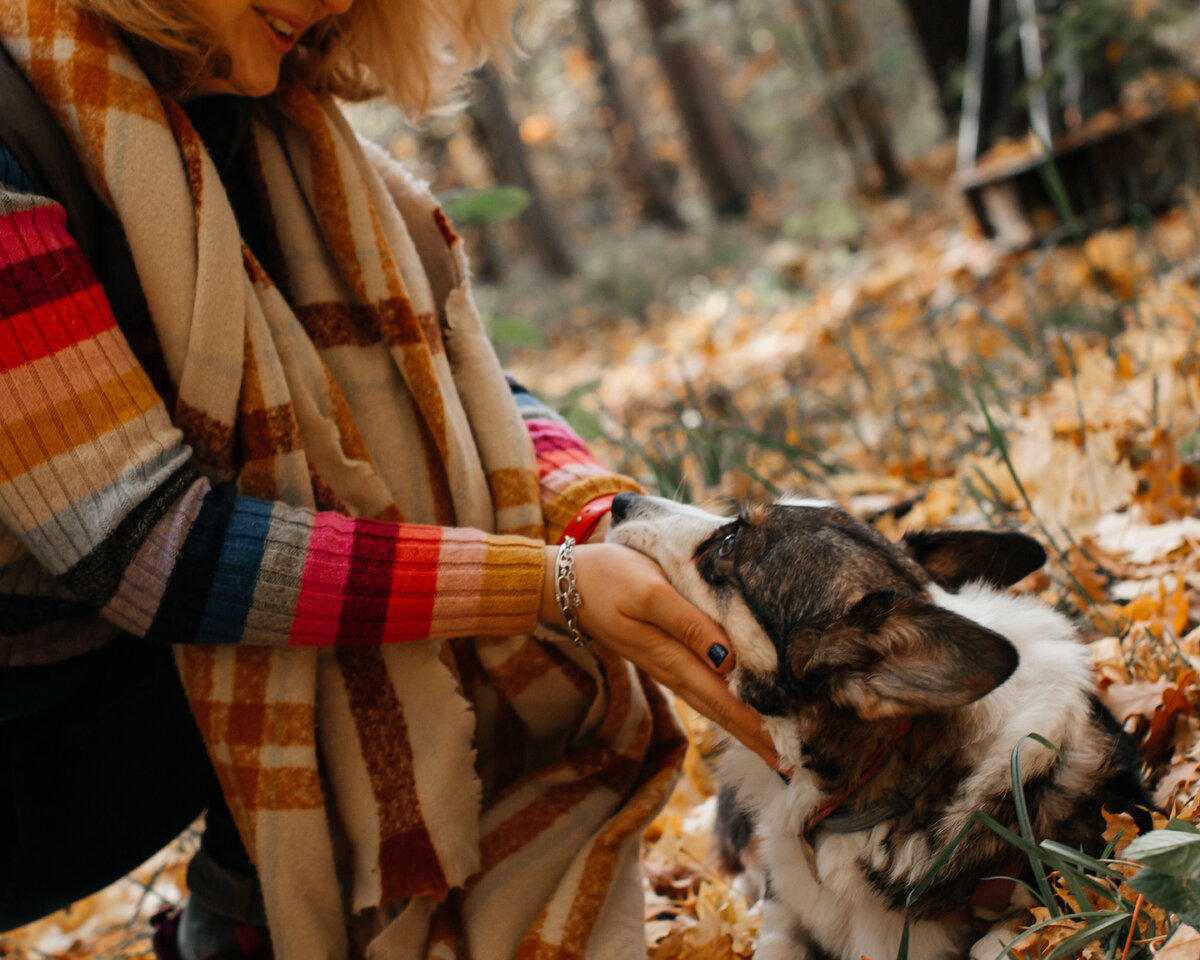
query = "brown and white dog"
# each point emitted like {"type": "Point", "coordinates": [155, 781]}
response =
{"type": "Point", "coordinates": [895, 680]}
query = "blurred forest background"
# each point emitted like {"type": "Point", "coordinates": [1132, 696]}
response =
{"type": "Point", "coordinates": [641, 197]}
{"type": "Point", "coordinates": [936, 259]}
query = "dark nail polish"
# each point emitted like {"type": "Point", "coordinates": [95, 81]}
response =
{"type": "Point", "coordinates": [717, 654]}
{"type": "Point", "coordinates": [787, 781]}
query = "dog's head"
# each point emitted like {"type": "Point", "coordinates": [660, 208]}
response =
{"type": "Point", "coordinates": [822, 609]}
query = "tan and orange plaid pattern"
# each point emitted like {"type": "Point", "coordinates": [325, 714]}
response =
{"type": "Point", "coordinates": [478, 798]}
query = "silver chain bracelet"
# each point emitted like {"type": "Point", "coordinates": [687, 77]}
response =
{"type": "Point", "coordinates": [566, 593]}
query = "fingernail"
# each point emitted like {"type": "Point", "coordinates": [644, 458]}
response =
{"type": "Point", "coordinates": [717, 654]}
{"type": "Point", "coordinates": [787, 781]}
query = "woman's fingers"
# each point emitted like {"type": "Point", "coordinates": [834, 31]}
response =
{"type": "Point", "coordinates": [630, 607]}
{"type": "Point", "coordinates": [707, 694]}
{"type": "Point", "coordinates": [662, 605]}
{"type": "Point", "coordinates": [693, 628]}
{"type": "Point", "coordinates": [749, 731]}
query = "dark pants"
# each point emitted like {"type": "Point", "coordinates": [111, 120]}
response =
{"type": "Point", "coordinates": [94, 784]}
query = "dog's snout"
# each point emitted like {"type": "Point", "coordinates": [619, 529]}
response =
{"type": "Point", "coordinates": [622, 504]}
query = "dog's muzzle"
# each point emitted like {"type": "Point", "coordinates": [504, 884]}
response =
{"type": "Point", "coordinates": [623, 505]}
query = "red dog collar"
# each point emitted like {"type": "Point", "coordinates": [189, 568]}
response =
{"type": "Point", "coordinates": [584, 523]}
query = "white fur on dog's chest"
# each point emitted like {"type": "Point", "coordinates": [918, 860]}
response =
{"type": "Point", "coordinates": [869, 928]}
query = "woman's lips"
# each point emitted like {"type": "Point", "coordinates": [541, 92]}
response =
{"type": "Point", "coordinates": [281, 42]}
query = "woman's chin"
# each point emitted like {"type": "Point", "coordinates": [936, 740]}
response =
{"type": "Point", "coordinates": [260, 83]}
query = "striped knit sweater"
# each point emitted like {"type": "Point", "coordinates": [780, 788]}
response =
{"type": "Point", "coordinates": [101, 511]}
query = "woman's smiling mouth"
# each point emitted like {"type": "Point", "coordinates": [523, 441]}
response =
{"type": "Point", "coordinates": [281, 31]}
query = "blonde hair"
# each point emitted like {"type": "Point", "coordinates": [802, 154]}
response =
{"type": "Point", "coordinates": [413, 50]}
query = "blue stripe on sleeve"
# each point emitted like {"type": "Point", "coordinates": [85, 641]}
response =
{"type": "Point", "coordinates": [236, 577]}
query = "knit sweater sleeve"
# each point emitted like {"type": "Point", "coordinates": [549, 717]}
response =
{"type": "Point", "coordinates": [98, 486]}
{"type": "Point", "coordinates": [569, 476]}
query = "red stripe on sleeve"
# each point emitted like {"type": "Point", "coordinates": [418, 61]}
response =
{"type": "Point", "coordinates": [47, 329]}
{"type": "Point", "coordinates": [50, 298]}
{"type": "Point", "coordinates": [414, 587]}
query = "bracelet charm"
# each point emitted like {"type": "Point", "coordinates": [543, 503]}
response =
{"type": "Point", "coordinates": [567, 593]}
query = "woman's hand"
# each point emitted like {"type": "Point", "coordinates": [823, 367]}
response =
{"type": "Point", "coordinates": [629, 607]}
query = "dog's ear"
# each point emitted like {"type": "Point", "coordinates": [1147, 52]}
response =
{"type": "Point", "coordinates": [897, 655]}
{"type": "Point", "coordinates": [954, 557]}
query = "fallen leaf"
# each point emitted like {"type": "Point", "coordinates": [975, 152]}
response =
{"type": "Point", "coordinates": [1129, 533]}
{"type": "Point", "coordinates": [1175, 704]}
{"type": "Point", "coordinates": [1163, 497]}
{"type": "Point", "coordinates": [1183, 944]}
{"type": "Point", "coordinates": [1119, 825]}
{"type": "Point", "coordinates": [1141, 698]}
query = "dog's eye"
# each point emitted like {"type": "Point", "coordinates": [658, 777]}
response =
{"type": "Point", "coordinates": [726, 547]}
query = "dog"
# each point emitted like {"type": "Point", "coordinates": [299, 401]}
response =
{"type": "Point", "coordinates": [896, 679]}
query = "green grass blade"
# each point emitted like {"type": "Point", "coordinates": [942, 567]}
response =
{"type": "Point", "coordinates": [1022, 809]}
{"type": "Point", "coordinates": [1080, 859]}
{"type": "Point", "coordinates": [1085, 936]}
{"type": "Point", "coordinates": [1076, 887]}
{"type": "Point", "coordinates": [1060, 857]}
{"type": "Point", "coordinates": [1059, 196]}
{"type": "Point", "coordinates": [977, 817]}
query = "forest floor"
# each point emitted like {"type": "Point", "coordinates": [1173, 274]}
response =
{"type": "Point", "coordinates": [920, 375]}
{"type": "Point", "coordinates": [903, 365]}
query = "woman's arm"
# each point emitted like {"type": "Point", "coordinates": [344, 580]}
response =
{"type": "Point", "coordinates": [97, 484]}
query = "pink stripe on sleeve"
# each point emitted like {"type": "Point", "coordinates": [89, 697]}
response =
{"type": "Point", "coordinates": [318, 610]}
{"type": "Point", "coordinates": [29, 233]}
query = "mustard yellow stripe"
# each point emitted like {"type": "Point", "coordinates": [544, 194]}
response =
{"type": "Point", "coordinates": [114, 470]}
{"type": "Point", "coordinates": [59, 427]}
{"type": "Point", "coordinates": [511, 590]}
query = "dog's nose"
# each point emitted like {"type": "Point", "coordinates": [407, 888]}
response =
{"type": "Point", "coordinates": [621, 505]}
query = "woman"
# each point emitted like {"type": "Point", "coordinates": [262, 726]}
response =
{"type": "Point", "coordinates": [247, 410]}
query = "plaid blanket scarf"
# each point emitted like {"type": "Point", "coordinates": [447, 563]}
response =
{"type": "Point", "coordinates": [480, 797]}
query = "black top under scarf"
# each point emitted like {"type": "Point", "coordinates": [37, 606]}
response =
{"type": "Point", "coordinates": [223, 123]}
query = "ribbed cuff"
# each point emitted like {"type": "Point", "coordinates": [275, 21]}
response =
{"type": "Point", "coordinates": [574, 496]}
{"type": "Point", "coordinates": [490, 586]}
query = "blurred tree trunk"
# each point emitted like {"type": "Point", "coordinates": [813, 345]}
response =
{"type": "Point", "coordinates": [837, 40]}
{"type": "Point", "coordinates": [941, 30]}
{"type": "Point", "coordinates": [716, 143]}
{"type": "Point", "coordinates": [851, 46]}
{"type": "Point", "coordinates": [836, 108]}
{"type": "Point", "coordinates": [646, 175]}
{"type": "Point", "coordinates": [498, 136]}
